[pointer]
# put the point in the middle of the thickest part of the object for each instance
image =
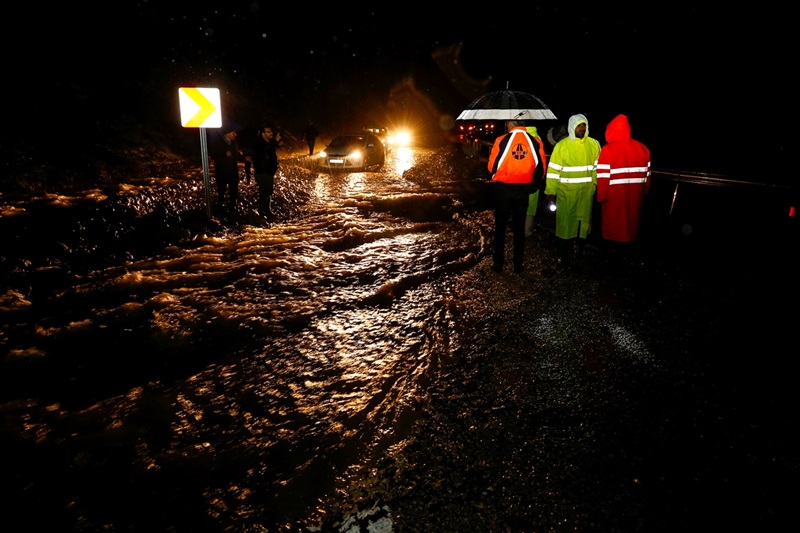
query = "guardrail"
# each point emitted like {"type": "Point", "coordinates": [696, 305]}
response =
{"type": "Point", "coordinates": [786, 196]}
{"type": "Point", "coordinates": [704, 178]}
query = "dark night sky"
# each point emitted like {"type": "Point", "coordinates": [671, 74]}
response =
{"type": "Point", "coordinates": [701, 85]}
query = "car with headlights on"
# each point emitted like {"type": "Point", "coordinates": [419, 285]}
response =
{"type": "Point", "coordinates": [353, 151]}
{"type": "Point", "coordinates": [391, 139]}
{"type": "Point", "coordinates": [381, 133]}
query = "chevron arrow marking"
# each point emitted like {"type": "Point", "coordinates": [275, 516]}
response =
{"type": "Point", "coordinates": [200, 107]}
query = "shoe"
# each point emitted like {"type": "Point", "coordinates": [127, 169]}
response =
{"type": "Point", "coordinates": [497, 268]}
{"type": "Point", "coordinates": [518, 269]}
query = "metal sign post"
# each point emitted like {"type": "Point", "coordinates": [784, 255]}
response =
{"type": "Point", "coordinates": [200, 108]}
{"type": "Point", "coordinates": [206, 180]}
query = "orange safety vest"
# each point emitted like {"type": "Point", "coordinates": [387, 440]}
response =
{"type": "Point", "coordinates": [515, 157]}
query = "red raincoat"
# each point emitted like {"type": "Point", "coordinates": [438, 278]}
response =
{"type": "Point", "coordinates": [623, 178]}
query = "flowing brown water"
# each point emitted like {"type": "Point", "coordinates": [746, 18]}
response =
{"type": "Point", "coordinates": [236, 373]}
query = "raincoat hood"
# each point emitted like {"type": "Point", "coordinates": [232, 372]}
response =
{"type": "Point", "coordinates": [619, 129]}
{"type": "Point", "coordinates": [573, 123]}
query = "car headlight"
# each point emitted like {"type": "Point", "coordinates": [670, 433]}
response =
{"type": "Point", "coordinates": [401, 138]}
{"type": "Point", "coordinates": [356, 155]}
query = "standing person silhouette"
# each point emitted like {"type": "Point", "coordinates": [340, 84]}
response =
{"type": "Point", "coordinates": [310, 136]}
{"type": "Point", "coordinates": [571, 183]}
{"type": "Point", "coordinates": [516, 165]}
{"type": "Point", "coordinates": [533, 198]}
{"type": "Point", "coordinates": [265, 166]}
{"type": "Point", "coordinates": [225, 152]}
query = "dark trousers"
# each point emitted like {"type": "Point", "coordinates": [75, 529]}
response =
{"type": "Point", "coordinates": [311, 146]}
{"type": "Point", "coordinates": [229, 185]}
{"type": "Point", "coordinates": [266, 185]}
{"type": "Point", "coordinates": [510, 201]}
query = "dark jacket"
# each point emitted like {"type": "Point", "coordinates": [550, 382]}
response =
{"type": "Point", "coordinates": [225, 165]}
{"type": "Point", "coordinates": [310, 133]}
{"type": "Point", "coordinates": [265, 156]}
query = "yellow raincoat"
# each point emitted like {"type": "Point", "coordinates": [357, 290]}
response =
{"type": "Point", "coordinates": [533, 198]}
{"type": "Point", "coordinates": [572, 178]}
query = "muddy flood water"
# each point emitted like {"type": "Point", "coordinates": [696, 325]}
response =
{"type": "Point", "coordinates": [355, 365]}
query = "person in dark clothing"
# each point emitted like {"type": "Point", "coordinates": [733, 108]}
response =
{"type": "Point", "coordinates": [516, 166]}
{"type": "Point", "coordinates": [225, 152]}
{"type": "Point", "coordinates": [310, 136]}
{"type": "Point", "coordinates": [265, 166]}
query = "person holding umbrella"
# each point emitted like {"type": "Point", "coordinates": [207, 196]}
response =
{"type": "Point", "coordinates": [571, 182]}
{"type": "Point", "coordinates": [515, 164]}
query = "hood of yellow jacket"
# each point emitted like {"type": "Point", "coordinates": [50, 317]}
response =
{"type": "Point", "coordinates": [573, 123]}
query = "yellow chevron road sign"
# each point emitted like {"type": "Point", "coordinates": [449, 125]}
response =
{"type": "Point", "coordinates": [200, 107]}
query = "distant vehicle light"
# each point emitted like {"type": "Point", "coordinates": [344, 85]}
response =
{"type": "Point", "coordinates": [400, 138]}
{"type": "Point", "coordinates": [381, 133]}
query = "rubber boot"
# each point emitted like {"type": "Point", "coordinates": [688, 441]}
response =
{"type": "Point", "coordinates": [529, 226]}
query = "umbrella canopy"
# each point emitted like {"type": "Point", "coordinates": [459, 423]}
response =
{"type": "Point", "coordinates": [507, 105]}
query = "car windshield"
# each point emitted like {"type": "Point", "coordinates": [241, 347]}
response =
{"type": "Point", "coordinates": [348, 140]}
